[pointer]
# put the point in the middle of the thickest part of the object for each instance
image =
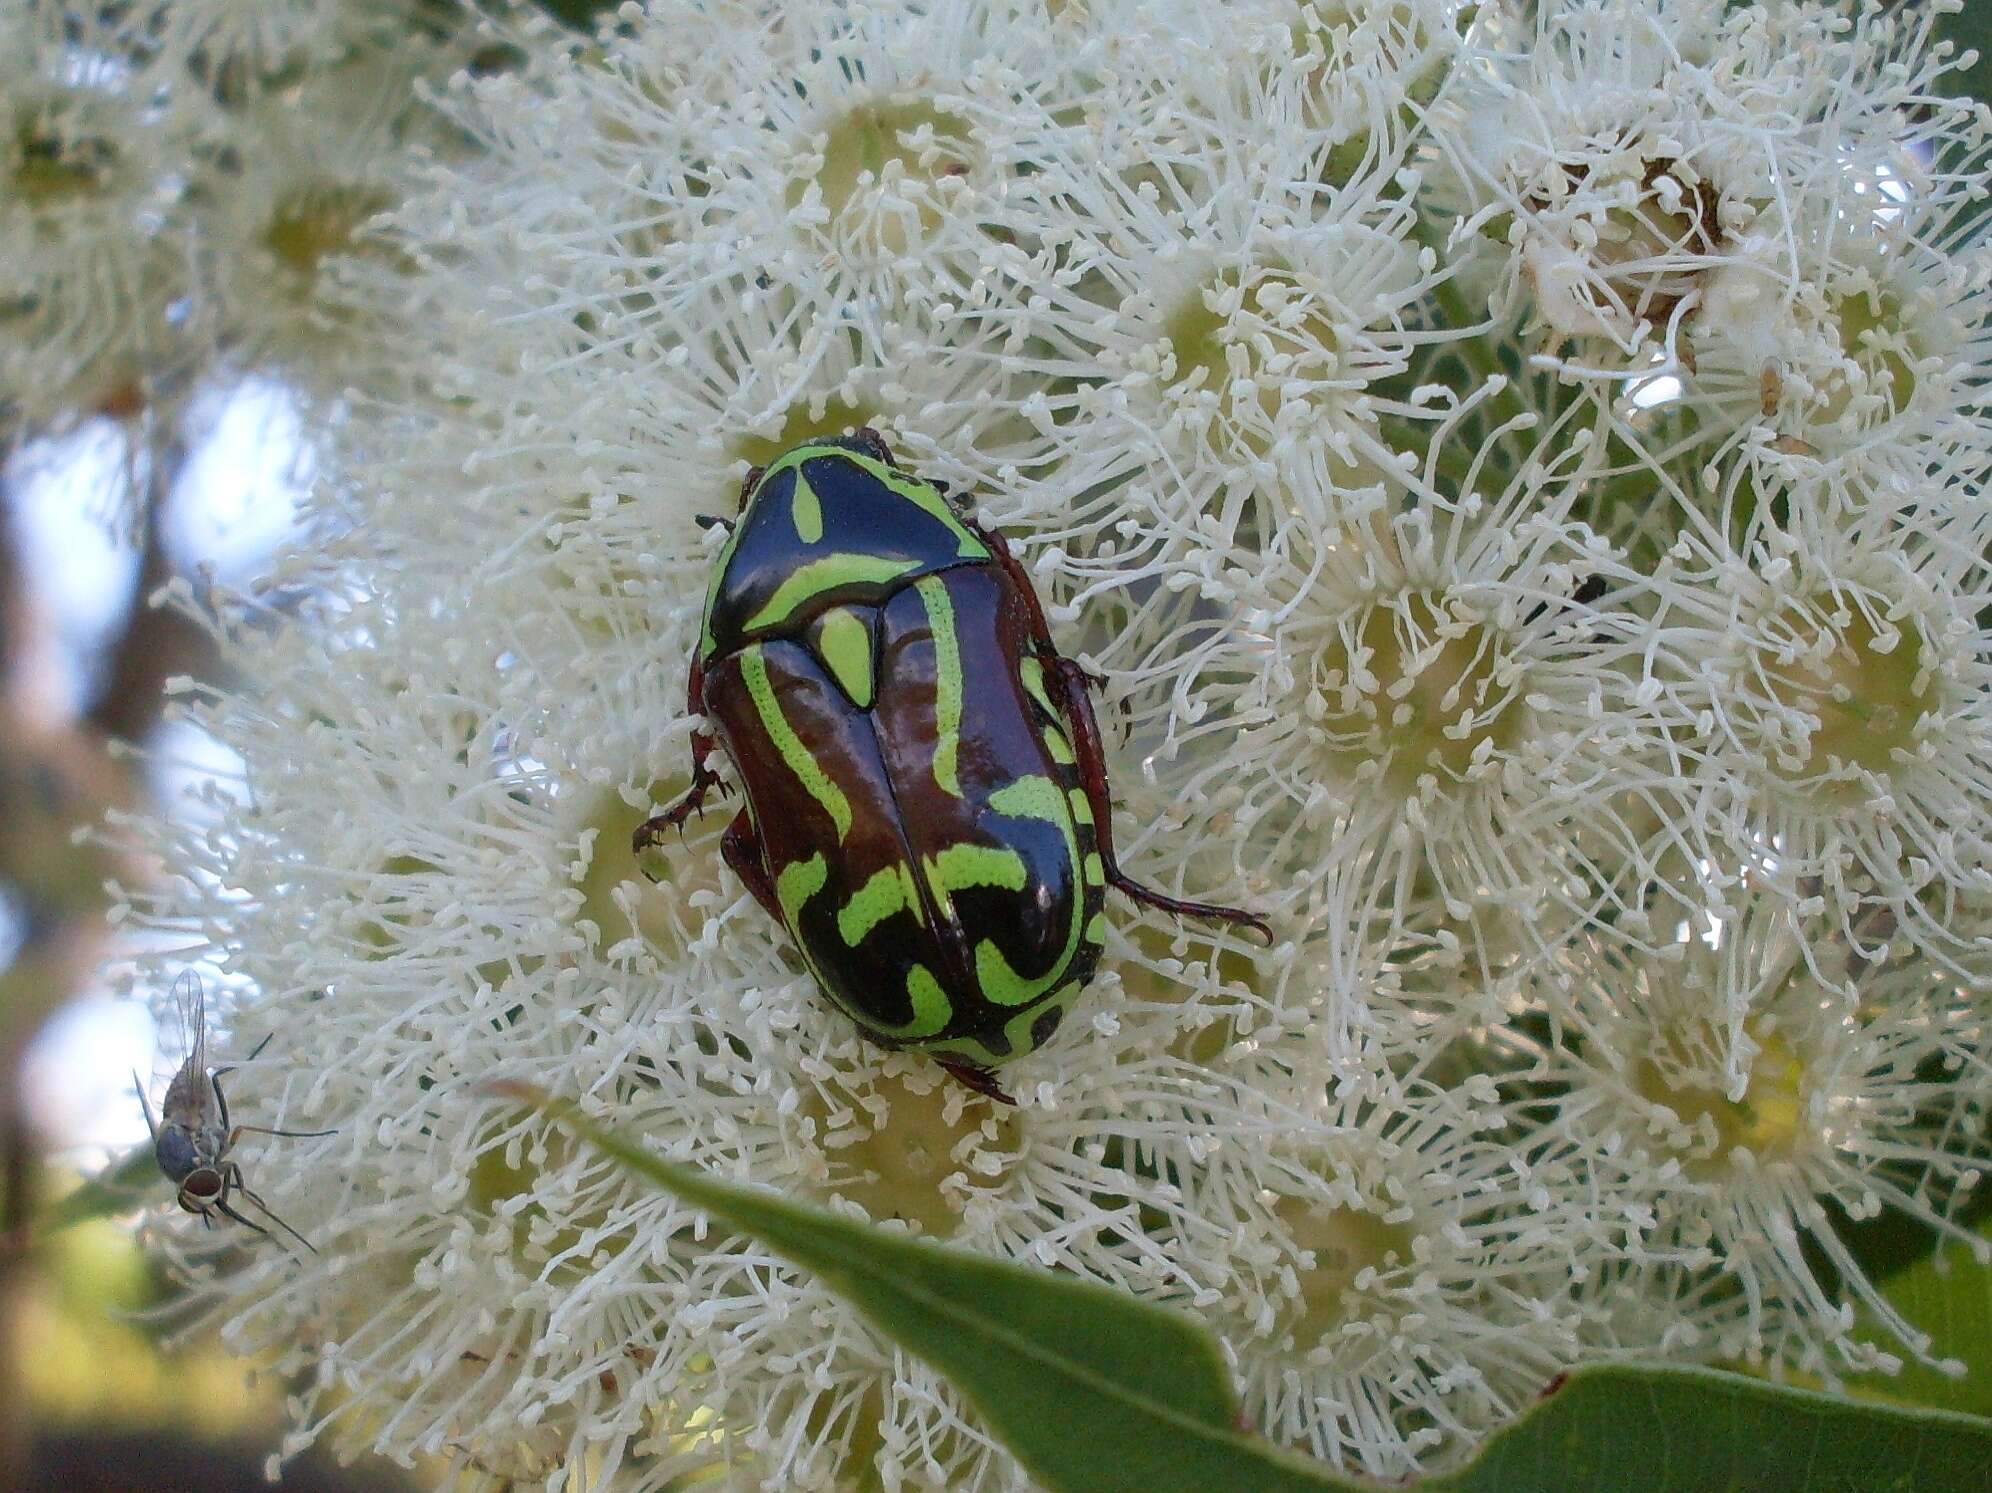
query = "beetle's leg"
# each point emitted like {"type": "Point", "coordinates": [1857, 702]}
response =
{"type": "Point", "coordinates": [747, 486]}
{"type": "Point", "coordinates": [704, 779]}
{"type": "Point", "coordinates": [740, 848]}
{"type": "Point", "coordinates": [1067, 682]}
{"type": "Point", "coordinates": [1068, 689]}
{"type": "Point", "coordinates": [979, 1079]}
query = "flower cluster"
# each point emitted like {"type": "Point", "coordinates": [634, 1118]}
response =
{"type": "Point", "coordinates": [1518, 471]}
{"type": "Point", "coordinates": [184, 185]}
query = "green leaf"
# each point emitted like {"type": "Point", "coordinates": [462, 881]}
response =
{"type": "Point", "coordinates": [1088, 1387]}
{"type": "Point", "coordinates": [118, 1188]}
{"type": "Point", "coordinates": [1686, 1430]}
{"type": "Point", "coordinates": [1095, 1392]}
{"type": "Point", "coordinates": [1949, 1296]}
{"type": "Point", "coordinates": [1971, 29]}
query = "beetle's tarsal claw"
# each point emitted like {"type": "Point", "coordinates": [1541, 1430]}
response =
{"type": "Point", "coordinates": [712, 521]}
{"type": "Point", "coordinates": [981, 1080]}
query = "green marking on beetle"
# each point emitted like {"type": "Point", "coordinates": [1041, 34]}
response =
{"type": "Point", "coordinates": [807, 510]}
{"type": "Point", "coordinates": [1019, 1029]}
{"type": "Point", "coordinates": [1031, 797]}
{"type": "Point", "coordinates": [1096, 929]}
{"type": "Point", "coordinates": [798, 882]}
{"type": "Point", "coordinates": [901, 484]}
{"type": "Point", "coordinates": [975, 1049]}
{"type": "Point", "coordinates": [959, 867]}
{"type": "Point", "coordinates": [883, 894]}
{"type": "Point", "coordinates": [947, 682]}
{"type": "Point", "coordinates": [1082, 806]}
{"type": "Point", "coordinates": [1056, 744]}
{"type": "Point", "coordinates": [806, 582]}
{"type": "Point", "coordinates": [1031, 672]}
{"type": "Point", "coordinates": [1095, 872]}
{"type": "Point", "coordinates": [932, 1009]}
{"type": "Point", "coordinates": [800, 761]}
{"type": "Point", "coordinates": [845, 644]}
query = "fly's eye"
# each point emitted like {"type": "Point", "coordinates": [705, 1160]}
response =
{"type": "Point", "coordinates": [203, 1185]}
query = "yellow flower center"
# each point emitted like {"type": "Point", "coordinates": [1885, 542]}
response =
{"type": "Point", "coordinates": [665, 915]}
{"type": "Point", "coordinates": [1767, 1120]}
{"type": "Point", "coordinates": [879, 142]}
{"type": "Point", "coordinates": [317, 221]}
{"type": "Point", "coordinates": [803, 421]}
{"type": "Point", "coordinates": [1878, 352]}
{"type": "Point", "coordinates": [1238, 336]}
{"type": "Point", "coordinates": [1413, 687]}
{"type": "Point", "coordinates": [899, 1156]}
{"type": "Point", "coordinates": [1866, 689]}
{"type": "Point", "coordinates": [1343, 1242]}
{"type": "Point", "coordinates": [50, 169]}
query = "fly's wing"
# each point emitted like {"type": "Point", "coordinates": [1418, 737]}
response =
{"type": "Point", "coordinates": [189, 1100]}
{"type": "Point", "coordinates": [190, 995]}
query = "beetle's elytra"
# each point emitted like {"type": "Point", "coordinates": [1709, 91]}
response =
{"type": "Point", "coordinates": [927, 804]}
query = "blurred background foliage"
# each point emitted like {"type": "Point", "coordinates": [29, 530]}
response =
{"type": "Point", "coordinates": [193, 470]}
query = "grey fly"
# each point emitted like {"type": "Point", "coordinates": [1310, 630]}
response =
{"type": "Point", "coordinates": [192, 1137]}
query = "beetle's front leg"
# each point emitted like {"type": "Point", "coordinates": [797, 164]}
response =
{"type": "Point", "coordinates": [740, 848]}
{"type": "Point", "coordinates": [979, 1079]}
{"type": "Point", "coordinates": [704, 779]}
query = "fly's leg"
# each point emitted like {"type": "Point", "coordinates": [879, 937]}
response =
{"type": "Point", "coordinates": [740, 847]}
{"type": "Point", "coordinates": [146, 1105]}
{"type": "Point", "coordinates": [704, 779]}
{"type": "Point", "coordinates": [979, 1079]}
{"type": "Point", "coordinates": [1067, 683]}
{"type": "Point", "coordinates": [241, 1130]}
{"type": "Point", "coordinates": [236, 1184]}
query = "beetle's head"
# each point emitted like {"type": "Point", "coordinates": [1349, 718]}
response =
{"type": "Point", "coordinates": [868, 441]}
{"type": "Point", "coordinates": [201, 1189]}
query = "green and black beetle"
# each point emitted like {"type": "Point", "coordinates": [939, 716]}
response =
{"type": "Point", "coordinates": [927, 809]}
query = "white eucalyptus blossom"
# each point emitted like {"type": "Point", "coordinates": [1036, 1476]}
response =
{"type": "Point", "coordinates": [92, 252]}
{"type": "Point", "coordinates": [1831, 672]}
{"type": "Point", "coordinates": [1517, 473]}
{"type": "Point", "coordinates": [1726, 1093]}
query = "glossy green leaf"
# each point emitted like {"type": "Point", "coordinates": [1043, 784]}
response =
{"type": "Point", "coordinates": [1949, 1296]}
{"type": "Point", "coordinates": [1095, 1392]}
{"type": "Point", "coordinates": [1090, 1388]}
{"type": "Point", "coordinates": [1689, 1430]}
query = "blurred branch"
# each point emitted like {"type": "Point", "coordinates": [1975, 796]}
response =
{"type": "Point", "coordinates": [157, 643]}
